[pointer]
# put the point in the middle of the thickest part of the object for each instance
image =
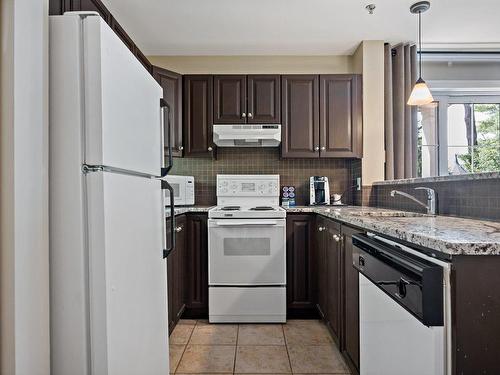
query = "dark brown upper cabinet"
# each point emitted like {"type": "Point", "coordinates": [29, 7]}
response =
{"type": "Point", "coordinates": [171, 84]}
{"type": "Point", "coordinates": [230, 99]}
{"type": "Point", "coordinates": [340, 116]}
{"type": "Point", "coordinates": [263, 99]}
{"type": "Point", "coordinates": [58, 7]}
{"type": "Point", "coordinates": [120, 32]}
{"type": "Point", "coordinates": [197, 113]}
{"type": "Point", "coordinates": [241, 99]}
{"type": "Point", "coordinates": [322, 116]}
{"type": "Point", "coordinates": [143, 59]}
{"type": "Point", "coordinates": [300, 116]}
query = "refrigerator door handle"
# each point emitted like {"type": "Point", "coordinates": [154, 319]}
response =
{"type": "Point", "coordinates": [168, 249]}
{"type": "Point", "coordinates": [165, 107]}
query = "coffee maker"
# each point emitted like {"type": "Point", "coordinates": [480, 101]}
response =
{"type": "Point", "coordinates": [319, 191]}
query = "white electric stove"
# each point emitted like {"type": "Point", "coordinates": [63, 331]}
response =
{"type": "Point", "coordinates": [246, 251]}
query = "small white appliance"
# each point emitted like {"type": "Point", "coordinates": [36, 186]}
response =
{"type": "Point", "coordinates": [183, 190]}
{"type": "Point", "coordinates": [247, 135]}
{"type": "Point", "coordinates": [108, 284]}
{"type": "Point", "coordinates": [246, 251]}
{"type": "Point", "coordinates": [319, 191]}
{"type": "Point", "coordinates": [404, 298]}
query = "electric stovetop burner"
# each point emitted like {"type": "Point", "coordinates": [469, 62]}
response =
{"type": "Point", "coordinates": [230, 208]}
{"type": "Point", "coordinates": [262, 208]}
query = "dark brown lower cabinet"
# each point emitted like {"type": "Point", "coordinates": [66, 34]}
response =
{"type": "Point", "coordinates": [196, 270]}
{"type": "Point", "coordinates": [176, 261]}
{"type": "Point", "coordinates": [301, 264]}
{"type": "Point", "coordinates": [321, 250]}
{"type": "Point", "coordinates": [351, 302]}
{"type": "Point", "coordinates": [333, 279]}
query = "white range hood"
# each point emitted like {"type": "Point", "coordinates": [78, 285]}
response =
{"type": "Point", "coordinates": [247, 135]}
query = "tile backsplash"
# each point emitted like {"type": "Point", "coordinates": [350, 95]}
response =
{"type": "Point", "coordinates": [293, 172]}
{"type": "Point", "coordinates": [472, 198]}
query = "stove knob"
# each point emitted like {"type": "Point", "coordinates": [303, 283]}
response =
{"type": "Point", "coordinates": [234, 187]}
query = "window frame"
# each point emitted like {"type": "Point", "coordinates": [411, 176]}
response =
{"type": "Point", "coordinates": [443, 101]}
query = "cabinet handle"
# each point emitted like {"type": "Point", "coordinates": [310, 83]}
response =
{"type": "Point", "coordinates": [209, 148]}
{"type": "Point", "coordinates": [250, 114]}
{"type": "Point", "coordinates": [336, 238]}
{"type": "Point", "coordinates": [316, 148]}
{"type": "Point", "coordinates": [323, 148]}
{"type": "Point", "coordinates": [181, 148]}
{"type": "Point", "coordinates": [243, 115]}
{"type": "Point", "coordinates": [178, 229]}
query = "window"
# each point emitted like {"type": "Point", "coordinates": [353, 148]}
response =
{"type": "Point", "coordinates": [458, 135]}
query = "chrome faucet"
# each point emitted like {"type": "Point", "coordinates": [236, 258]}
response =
{"type": "Point", "coordinates": [431, 198]}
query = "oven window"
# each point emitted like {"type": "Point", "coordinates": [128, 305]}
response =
{"type": "Point", "coordinates": [247, 246]}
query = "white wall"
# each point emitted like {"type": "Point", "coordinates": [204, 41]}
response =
{"type": "Point", "coordinates": [24, 267]}
{"type": "Point", "coordinates": [254, 64]}
{"type": "Point", "coordinates": [369, 61]}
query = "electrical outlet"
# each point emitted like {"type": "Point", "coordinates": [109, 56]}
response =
{"type": "Point", "coordinates": [358, 183]}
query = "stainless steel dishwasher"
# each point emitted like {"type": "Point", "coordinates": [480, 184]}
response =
{"type": "Point", "coordinates": [404, 309]}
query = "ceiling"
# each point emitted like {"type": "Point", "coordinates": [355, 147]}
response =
{"type": "Point", "coordinates": [299, 27]}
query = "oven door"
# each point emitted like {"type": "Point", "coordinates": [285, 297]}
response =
{"type": "Point", "coordinates": [246, 252]}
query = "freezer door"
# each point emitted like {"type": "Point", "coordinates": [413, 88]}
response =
{"type": "Point", "coordinates": [127, 275]}
{"type": "Point", "coordinates": [123, 118]}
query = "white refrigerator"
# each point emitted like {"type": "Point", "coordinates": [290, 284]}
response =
{"type": "Point", "coordinates": [108, 284]}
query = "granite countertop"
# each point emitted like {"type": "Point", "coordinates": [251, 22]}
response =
{"type": "Point", "coordinates": [448, 235]}
{"type": "Point", "coordinates": [183, 210]}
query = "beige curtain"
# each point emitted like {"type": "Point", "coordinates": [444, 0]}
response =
{"type": "Point", "coordinates": [400, 118]}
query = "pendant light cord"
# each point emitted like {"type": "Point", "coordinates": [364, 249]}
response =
{"type": "Point", "coordinates": [420, 43]}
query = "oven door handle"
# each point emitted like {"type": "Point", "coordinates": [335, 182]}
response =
{"type": "Point", "coordinates": [231, 223]}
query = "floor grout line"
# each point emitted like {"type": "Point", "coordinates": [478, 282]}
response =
{"type": "Point", "coordinates": [236, 347]}
{"type": "Point", "coordinates": [286, 347]}
{"type": "Point", "coordinates": [185, 347]}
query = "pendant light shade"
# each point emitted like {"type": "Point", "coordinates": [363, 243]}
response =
{"type": "Point", "coordinates": [420, 95]}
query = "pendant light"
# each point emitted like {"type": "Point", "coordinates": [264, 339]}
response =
{"type": "Point", "coordinates": [420, 95]}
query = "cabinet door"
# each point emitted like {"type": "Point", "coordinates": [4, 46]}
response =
{"type": "Point", "coordinates": [143, 59]}
{"type": "Point", "coordinates": [171, 84]}
{"type": "Point", "coordinates": [197, 114]}
{"type": "Point", "coordinates": [230, 99]}
{"type": "Point", "coordinates": [120, 32]}
{"type": "Point", "coordinates": [320, 234]}
{"type": "Point", "coordinates": [340, 116]}
{"type": "Point", "coordinates": [264, 99]}
{"type": "Point", "coordinates": [351, 300]}
{"type": "Point", "coordinates": [333, 278]}
{"type": "Point", "coordinates": [300, 266]}
{"type": "Point", "coordinates": [196, 270]}
{"type": "Point", "coordinates": [300, 116]}
{"type": "Point", "coordinates": [175, 274]}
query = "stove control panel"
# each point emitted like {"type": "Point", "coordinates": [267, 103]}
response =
{"type": "Point", "coordinates": [248, 185]}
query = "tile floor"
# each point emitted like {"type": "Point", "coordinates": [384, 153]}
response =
{"type": "Point", "coordinates": [298, 347]}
